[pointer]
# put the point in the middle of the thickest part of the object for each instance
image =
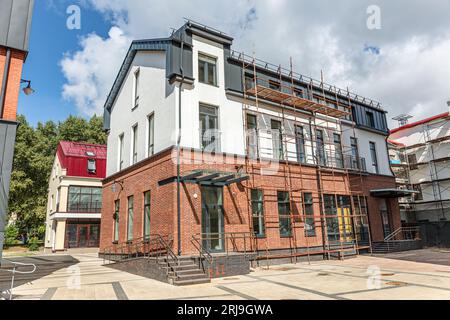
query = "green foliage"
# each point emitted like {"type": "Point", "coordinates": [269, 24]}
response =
{"type": "Point", "coordinates": [11, 235]}
{"type": "Point", "coordinates": [34, 155]}
{"type": "Point", "coordinates": [33, 244]}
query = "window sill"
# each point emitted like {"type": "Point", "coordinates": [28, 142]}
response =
{"type": "Point", "coordinates": [208, 84]}
{"type": "Point", "coordinates": [115, 242]}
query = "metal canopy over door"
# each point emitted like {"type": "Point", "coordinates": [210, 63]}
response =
{"type": "Point", "coordinates": [212, 219]}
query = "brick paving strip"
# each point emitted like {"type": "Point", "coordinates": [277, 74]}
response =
{"type": "Point", "coordinates": [236, 293]}
{"type": "Point", "coordinates": [48, 295]}
{"type": "Point", "coordinates": [118, 290]}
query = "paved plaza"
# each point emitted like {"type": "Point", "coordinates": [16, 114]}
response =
{"type": "Point", "coordinates": [83, 277]}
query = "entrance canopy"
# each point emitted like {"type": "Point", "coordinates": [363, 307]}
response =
{"type": "Point", "coordinates": [391, 193]}
{"type": "Point", "coordinates": [208, 178]}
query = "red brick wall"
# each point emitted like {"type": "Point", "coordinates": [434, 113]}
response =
{"type": "Point", "coordinates": [237, 214]}
{"type": "Point", "coordinates": [13, 83]}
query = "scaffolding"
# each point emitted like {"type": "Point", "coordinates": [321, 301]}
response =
{"type": "Point", "coordinates": [408, 169]}
{"type": "Point", "coordinates": [292, 107]}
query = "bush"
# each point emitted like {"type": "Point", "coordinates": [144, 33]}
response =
{"type": "Point", "coordinates": [33, 244]}
{"type": "Point", "coordinates": [11, 235]}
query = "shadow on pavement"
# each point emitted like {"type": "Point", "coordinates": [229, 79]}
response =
{"type": "Point", "coordinates": [45, 265]}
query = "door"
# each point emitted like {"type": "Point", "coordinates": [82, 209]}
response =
{"type": "Point", "coordinates": [83, 236]}
{"type": "Point", "coordinates": [212, 219]}
{"type": "Point", "coordinates": [387, 230]}
{"type": "Point", "coordinates": [345, 218]}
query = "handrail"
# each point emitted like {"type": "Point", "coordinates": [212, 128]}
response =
{"type": "Point", "coordinates": [409, 230]}
{"type": "Point", "coordinates": [201, 249]}
{"type": "Point", "coordinates": [14, 271]}
{"type": "Point", "coordinates": [131, 247]}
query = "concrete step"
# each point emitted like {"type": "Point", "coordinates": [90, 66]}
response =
{"type": "Point", "coordinates": [191, 282]}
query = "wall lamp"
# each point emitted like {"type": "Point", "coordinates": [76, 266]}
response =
{"type": "Point", "coordinates": [27, 90]}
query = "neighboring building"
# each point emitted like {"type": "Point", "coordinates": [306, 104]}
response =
{"type": "Point", "coordinates": [75, 196]}
{"type": "Point", "coordinates": [286, 164]}
{"type": "Point", "coordinates": [420, 157]}
{"type": "Point", "coordinates": [15, 25]}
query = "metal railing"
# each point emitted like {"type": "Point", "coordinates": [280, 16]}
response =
{"type": "Point", "coordinates": [343, 94]}
{"type": "Point", "coordinates": [238, 242]}
{"type": "Point", "coordinates": [153, 245]}
{"type": "Point", "coordinates": [203, 253]}
{"type": "Point", "coordinates": [404, 234]}
{"type": "Point", "coordinates": [14, 271]}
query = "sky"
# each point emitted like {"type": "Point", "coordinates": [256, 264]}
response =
{"type": "Point", "coordinates": [395, 52]}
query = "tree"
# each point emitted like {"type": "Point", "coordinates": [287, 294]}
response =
{"type": "Point", "coordinates": [34, 155]}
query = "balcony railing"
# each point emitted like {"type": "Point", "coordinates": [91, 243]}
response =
{"type": "Point", "coordinates": [210, 140]}
{"type": "Point", "coordinates": [88, 207]}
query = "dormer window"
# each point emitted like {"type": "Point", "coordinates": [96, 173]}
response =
{"type": "Point", "coordinates": [92, 166]}
{"type": "Point", "coordinates": [370, 119]}
{"type": "Point", "coordinates": [207, 69]}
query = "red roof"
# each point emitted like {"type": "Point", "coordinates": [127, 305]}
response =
{"type": "Point", "coordinates": [396, 143]}
{"type": "Point", "coordinates": [418, 123]}
{"type": "Point", "coordinates": [80, 149]}
{"type": "Point", "coordinates": [74, 157]}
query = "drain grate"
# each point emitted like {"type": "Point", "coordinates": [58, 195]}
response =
{"type": "Point", "coordinates": [285, 269]}
{"type": "Point", "coordinates": [387, 274]}
{"type": "Point", "coordinates": [323, 274]}
{"type": "Point", "coordinates": [230, 279]}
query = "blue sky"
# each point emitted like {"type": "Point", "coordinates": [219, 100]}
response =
{"type": "Point", "coordinates": [50, 40]}
{"type": "Point", "coordinates": [389, 64]}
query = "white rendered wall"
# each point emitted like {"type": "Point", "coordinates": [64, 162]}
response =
{"type": "Point", "coordinates": [156, 96]}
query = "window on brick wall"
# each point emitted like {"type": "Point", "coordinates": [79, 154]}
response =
{"type": "Point", "coordinates": [310, 227]}
{"type": "Point", "coordinates": [147, 214]}
{"type": "Point", "coordinates": [130, 220]}
{"type": "Point", "coordinates": [257, 198]}
{"type": "Point", "coordinates": [284, 213]}
{"type": "Point", "coordinates": [116, 220]}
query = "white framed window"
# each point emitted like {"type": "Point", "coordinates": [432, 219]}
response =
{"type": "Point", "coordinates": [134, 143]}
{"type": "Point", "coordinates": [120, 153]}
{"type": "Point", "coordinates": [137, 75]}
{"type": "Point", "coordinates": [150, 135]}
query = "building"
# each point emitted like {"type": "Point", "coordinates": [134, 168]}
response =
{"type": "Point", "coordinates": [420, 159]}
{"type": "Point", "coordinates": [75, 197]}
{"type": "Point", "coordinates": [15, 25]}
{"type": "Point", "coordinates": [220, 152]}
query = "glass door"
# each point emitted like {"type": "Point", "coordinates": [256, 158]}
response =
{"type": "Point", "coordinates": [385, 218]}
{"type": "Point", "coordinates": [212, 219]}
{"type": "Point", "coordinates": [83, 236]}
{"type": "Point", "coordinates": [345, 218]}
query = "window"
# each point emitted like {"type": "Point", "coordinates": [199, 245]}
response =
{"type": "Point", "coordinates": [84, 200]}
{"type": "Point", "coordinates": [92, 166]}
{"type": "Point", "coordinates": [58, 196]}
{"type": "Point", "coordinates": [332, 219]}
{"type": "Point", "coordinates": [338, 150]}
{"type": "Point", "coordinates": [249, 81]}
{"type": "Point", "coordinates": [207, 69]}
{"type": "Point", "coordinates": [418, 196]}
{"type": "Point", "coordinates": [120, 153]}
{"type": "Point", "coordinates": [252, 136]}
{"type": "Point", "coordinates": [361, 220]}
{"type": "Point", "coordinates": [310, 227]}
{"type": "Point", "coordinates": [136, 88]}
{"type": "Point", "coordinates": [277, 140]}
{"type": "Point", "coordinates": [298, 93]}
{"type": "Point", "coordinates": [151, 135]}
{"type": "Point", "coordinates": [209, 128]}
{"type": "Point", "coordinates": [412, 160]}
{"type": "Point", "coordinates": [300, 144]}
{"type": "Point", "coordinates": [355, 153]}
{"type": "Point", "coordinates": [147, 214]}
{"type": "Point", "coordinates": [274, 85]}
{"type": "Point", "coordinates": [134, 144]}
{"type": "Point", "coordinates": [116, 220]}
{"type": "Point", "coordinates": [130, 218]}
{"type": "Point", "coordinates": [257, 198]}
{"type": "Point", "coordinates": [370, 119]}
{"type": "Point", "coordinates": [284, 213]}
{"type": "Point", "coordinates": [373, 154]}
{"type": "Point", "coordinates": [320, 146]}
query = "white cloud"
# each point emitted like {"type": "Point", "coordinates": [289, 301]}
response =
{"type": "Point", "coordinates": [91, 71]}
{"type": "Point", "coordinates": [410, 74]}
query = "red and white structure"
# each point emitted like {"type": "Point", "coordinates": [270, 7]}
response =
{"type": "Point", "coordinates": [75, 196]}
